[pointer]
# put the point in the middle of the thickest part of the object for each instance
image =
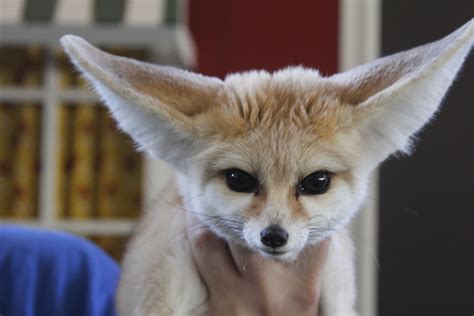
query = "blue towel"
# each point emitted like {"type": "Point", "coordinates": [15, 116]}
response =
{"type": "Point", "coordinates": [52, 273]}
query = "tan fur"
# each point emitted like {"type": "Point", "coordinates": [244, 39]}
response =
{"type": "Point", "coordinates": [297, 210]}
{"type": "Point", "coordinates": [257, 205]}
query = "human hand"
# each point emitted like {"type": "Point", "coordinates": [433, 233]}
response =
{"type": "Point", "coordinates": [242, 283]}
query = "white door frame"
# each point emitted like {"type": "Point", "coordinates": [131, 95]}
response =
{"type": "Point", "coordinates": [359, 42]}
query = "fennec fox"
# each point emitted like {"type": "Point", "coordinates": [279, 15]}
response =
{"type": "Point", "coordinates": [273, 161]}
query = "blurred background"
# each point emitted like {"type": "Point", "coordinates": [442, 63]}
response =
{"type": "Point", "coordinates": [64, 165]}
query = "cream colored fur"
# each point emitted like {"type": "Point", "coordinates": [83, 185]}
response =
{"type": "Point", "coordinates": [278, 127]}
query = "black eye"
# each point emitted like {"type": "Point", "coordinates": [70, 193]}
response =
{"type": "Point", "coordinates": [240, 181]}
{"type": "Point", "coordinates": [315, 183]}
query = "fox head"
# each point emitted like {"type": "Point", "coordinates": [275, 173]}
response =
{"type": "Point", "coordinates": [275, 161]}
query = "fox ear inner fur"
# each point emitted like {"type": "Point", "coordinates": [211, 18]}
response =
{"type": "Point", "coordinates": [396, 95]}
{"type": "Point", "coordinates": [156, 105]}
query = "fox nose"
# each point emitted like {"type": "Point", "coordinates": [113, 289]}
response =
{"type": "Point", "coordinates": [274, 236]}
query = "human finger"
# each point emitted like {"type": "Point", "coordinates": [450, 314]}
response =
{"type": "Point", "coordinates": [312, 259]}
{"type": "Point", "coordinates": [210, 253]}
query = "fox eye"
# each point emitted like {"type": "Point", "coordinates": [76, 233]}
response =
{"type": "Point", "coordinates": [240, 181]}
{"type": "Point", "coordinates": [315, 183]}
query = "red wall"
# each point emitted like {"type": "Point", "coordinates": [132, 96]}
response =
{"type": "Point", "coordinates": [236, 35]}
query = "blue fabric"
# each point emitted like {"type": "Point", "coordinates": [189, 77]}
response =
{"type": "Point", "coordinates": [53, 273]}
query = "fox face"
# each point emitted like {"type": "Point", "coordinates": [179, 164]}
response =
{"type": "Point", "coordinates": [283, 171]}
{"type": "Point", "coordinates": [275, 161]}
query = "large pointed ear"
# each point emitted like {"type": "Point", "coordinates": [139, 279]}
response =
{"type": "Point", "coordinates": [394, 96]}
{"type": "Point", "coordinates": [156, 105]}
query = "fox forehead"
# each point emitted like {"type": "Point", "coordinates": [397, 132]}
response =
{"type": "Point", "coordinates": [292, 98]}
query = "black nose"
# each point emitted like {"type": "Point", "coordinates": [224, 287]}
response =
{"type": "Point", "coordinates": [274, 236]}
